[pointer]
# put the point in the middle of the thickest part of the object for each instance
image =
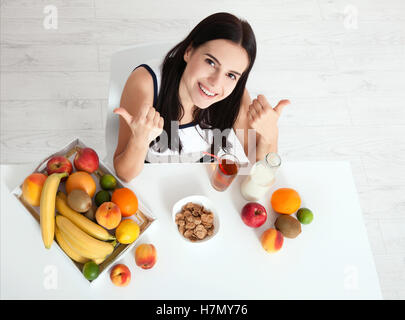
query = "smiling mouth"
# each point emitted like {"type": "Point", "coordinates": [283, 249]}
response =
{"type": "Point", "coordinates": [206, 91]}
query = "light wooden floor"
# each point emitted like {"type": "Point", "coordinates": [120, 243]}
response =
{"type": "Point", "coordinates": [346, 84]}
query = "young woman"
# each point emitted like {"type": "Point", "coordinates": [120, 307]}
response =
{"type": "Point", "coordinates": [202, 92]}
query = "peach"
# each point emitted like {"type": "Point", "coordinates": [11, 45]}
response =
{"type": "Point", "coordinates": [272, 240]}
{"type": "Point", "coordinates": [32, 188]}
{"type": "Point", "coordinates": [108, 215]}
{"type": "Point", "coordinates": [145, 256]}
{"type": "Point", "coordinates": [120, 275]}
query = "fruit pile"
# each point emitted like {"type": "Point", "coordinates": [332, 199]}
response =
{"type": "Point", "coordinates": [87, 225]}
{"type": "Point", "coordinates": [145, 258]}
{"type": "Point", "coordinates": [285, 202]}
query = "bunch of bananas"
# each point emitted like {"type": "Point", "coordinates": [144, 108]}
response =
{"type": "Point", "coordinates": [79, 237]}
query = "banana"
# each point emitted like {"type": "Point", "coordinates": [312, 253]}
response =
{"type": "Point", "coordinates": [69, 251]}
{"type": "Point", "coordinates": [81, 221]}
{"type": "Point", "coordinates": [84, 244]}
{"type": "Point", "coordinates": [99, 261]}
{"type": "Point", "coordinates": [47, 207]}
{"type": "Point", "coordinates": [67, 248]}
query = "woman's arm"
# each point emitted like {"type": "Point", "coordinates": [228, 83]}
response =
{"type": "Point", "coordinates": [139, 125]}
{"type": "Point", "coordinates": [260, 116]}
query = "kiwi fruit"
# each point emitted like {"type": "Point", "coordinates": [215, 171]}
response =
{"type": "Point", "coordinates": [288, 226]}
{"type": "Point", "coordinates": [91, 213]}
{"type": "Point", "coordinates": [79, 200]}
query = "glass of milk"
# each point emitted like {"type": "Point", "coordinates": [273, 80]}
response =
{"type": "Point", "coordinates": [261, 177]}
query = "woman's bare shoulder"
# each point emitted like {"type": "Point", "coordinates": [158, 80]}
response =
{"type": "Point", "coordinates": [140, 81]}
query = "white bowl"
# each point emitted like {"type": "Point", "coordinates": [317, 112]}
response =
{"type": "Point", "coordinates": [207, 204]}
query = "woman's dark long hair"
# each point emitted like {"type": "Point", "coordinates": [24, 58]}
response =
{"type": "Point", "coordinates": [222, 114]}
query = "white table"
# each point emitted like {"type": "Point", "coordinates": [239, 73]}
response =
{"type": "Point", "coordinates": [330, 259]}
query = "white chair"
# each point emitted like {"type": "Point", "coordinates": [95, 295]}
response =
{"type": "Point", "coordinates": [122, 64]}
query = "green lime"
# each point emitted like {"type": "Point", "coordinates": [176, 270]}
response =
{"type": "Point", "coordinates": [91, 270]}
{"type": "Point", "coordinates": [108, 182]}
{"type": "Point", "coordinates": [101, 197]}
{"type": "Point", "coordinates": [305, 215]}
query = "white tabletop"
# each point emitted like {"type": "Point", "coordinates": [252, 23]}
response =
{"type": "Point", "coordinates": [330, 259]}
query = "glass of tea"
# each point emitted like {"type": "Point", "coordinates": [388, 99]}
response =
{"type": "Point", "coordinates": [225, 171]}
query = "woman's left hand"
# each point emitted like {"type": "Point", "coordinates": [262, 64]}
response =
{"type": "Point", "coordinates": [263, 118]}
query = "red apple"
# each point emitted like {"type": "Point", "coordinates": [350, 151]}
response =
{"type": "Point", "coordinates": [120, 275]}
{"type": "Point", "coordinates": [86, 159]}
{"type": "Point", "coordinates": [254, 214]}
{"type": "Point", "coordinates": [59, 164]}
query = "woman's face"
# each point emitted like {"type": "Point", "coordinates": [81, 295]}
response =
{"type": "Point", "coordinates": [212, 72]}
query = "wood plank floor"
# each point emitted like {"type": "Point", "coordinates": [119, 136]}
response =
{"type": "Point", "coordinates": [341, 64]}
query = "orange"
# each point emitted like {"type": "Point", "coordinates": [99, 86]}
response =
{"type": "Point", "coordinates": [285, 200]}
{"type": "Point", "coordinates": [127, 231]}
{"type": "Point", "coordinates": [126, 200]}
{"type": "Point", "coordinates": [81, 180]}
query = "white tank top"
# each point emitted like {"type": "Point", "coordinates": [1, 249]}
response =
{"type": "Point", "coordinates": [194, 139]}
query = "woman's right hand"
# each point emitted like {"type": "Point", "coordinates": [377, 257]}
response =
{"type": "Point", "coordinates": [146, 126]}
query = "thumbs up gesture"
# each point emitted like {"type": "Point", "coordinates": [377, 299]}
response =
{"type": "Point", "coordinates": [263, 118]}
{"type": "Point", "coordinates": [146, 126]}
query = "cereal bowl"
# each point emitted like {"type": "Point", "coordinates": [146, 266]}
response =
{"type": "Point", "coordinates": [202, 214]}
